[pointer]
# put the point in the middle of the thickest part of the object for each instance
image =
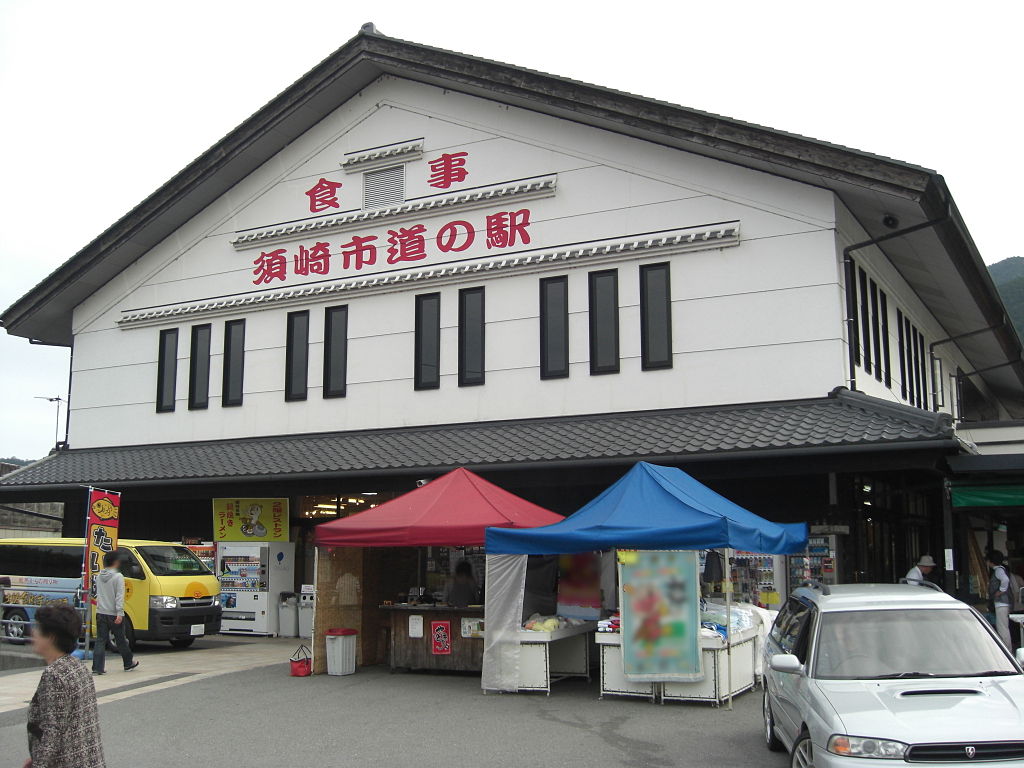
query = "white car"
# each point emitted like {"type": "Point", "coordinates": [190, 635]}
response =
{"type": "Point", "coordinates": [863, 675]}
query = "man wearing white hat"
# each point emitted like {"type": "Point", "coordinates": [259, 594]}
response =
{"type": "Point", "coordinates": [916, 575]}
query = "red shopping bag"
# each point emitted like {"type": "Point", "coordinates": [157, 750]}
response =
{"type": "Point", "coordinates": [301, 662]}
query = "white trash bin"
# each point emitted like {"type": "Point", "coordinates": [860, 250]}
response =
{"type": "Point", "coordinates": [341, 651]}
{"type": "Point", "coordinates": [288, 615]}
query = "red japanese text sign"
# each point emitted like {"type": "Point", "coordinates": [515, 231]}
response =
{"type": "Point", "coordinates": [100, 534]}
{"type": "Point", "coordinates": [400, 245]}
{"type": "Point", "coordinates": [441, 638]}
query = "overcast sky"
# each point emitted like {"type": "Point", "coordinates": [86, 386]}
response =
{"type": "Point", "coordinates": [102, 102]}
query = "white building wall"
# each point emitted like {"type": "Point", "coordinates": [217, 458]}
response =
{"type": "Point", "coordinates": [754, 321]}
{"type": "Point", "coordinates": [992, 437]}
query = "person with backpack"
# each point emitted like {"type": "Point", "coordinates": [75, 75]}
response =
{"type": "Point", "coordinates": [999, 595]}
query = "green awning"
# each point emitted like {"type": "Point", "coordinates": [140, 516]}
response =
{"type": "Point", "coordinates": [988, 496]}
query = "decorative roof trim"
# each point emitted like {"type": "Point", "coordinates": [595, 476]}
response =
{"type": "Point", "coordinates": [661, 244]}
{"type": "Point", "coordinates": [378, 158]}
{"type": "Point", "coordinates": [525, 189]}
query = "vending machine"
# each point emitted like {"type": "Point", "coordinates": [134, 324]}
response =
{"type": "Point", "coordinates": [252, 577]}
{"type": "Point", "coordinates": [820, 562]}
{"type": "Point", "coordinates": [760, 578]}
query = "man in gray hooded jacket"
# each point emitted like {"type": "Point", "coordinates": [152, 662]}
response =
{"type": "Point", "coordinates": [110, 614]}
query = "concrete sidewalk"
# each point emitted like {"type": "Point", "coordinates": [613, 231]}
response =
{"type": "Point", "coordinates": [262, 718]}
{"type": "Point", "coordinates": [160, 666]}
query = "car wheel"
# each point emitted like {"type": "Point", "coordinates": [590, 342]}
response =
{"type": "Point", "coordinates": [182, 642]}
{"type": "Point", "coordinates": [770, 739]}
{"type": "Point", "coordinates": [803, 753]}
{"type": "Point", "coordinates": [18, 628]}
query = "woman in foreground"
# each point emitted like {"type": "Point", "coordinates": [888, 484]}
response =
{"type": "Point", "coordinates": [63, 722]}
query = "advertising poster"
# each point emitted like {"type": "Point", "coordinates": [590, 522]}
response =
{"type": "Point", "coordinates": [579, 586]}
{"type": "Point", "coordinates": [660, 615]}
{"type": "Point", "coordinates": [100, 534]}
{"type": "Point", "coordinates": [250, 519]}
{"type": "Point", "coordinates": [441, 638]}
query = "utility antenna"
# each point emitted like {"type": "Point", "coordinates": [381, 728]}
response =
{"type": "Point", "coordinates": [56, 429]}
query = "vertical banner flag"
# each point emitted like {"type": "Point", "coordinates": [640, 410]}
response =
{"type": "Point", "coordinates": [660, 615]}
{"type": "Point", "coordinates": [100, 535]}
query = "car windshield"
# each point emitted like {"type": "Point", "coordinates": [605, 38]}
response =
{"type": "Point", "coordinates": [928, 642]}
{"type": "Point", "coordinates": [173, 560]}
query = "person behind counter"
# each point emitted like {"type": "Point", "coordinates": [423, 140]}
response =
{"type": "Point", "coordinates": [463, 591]}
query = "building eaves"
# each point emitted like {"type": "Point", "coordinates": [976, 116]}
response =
{"type": "Point", "coordinates": [843, 421]}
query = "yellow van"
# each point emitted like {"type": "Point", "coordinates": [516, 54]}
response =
{"type": "Point", "coordinates": [169, 593]}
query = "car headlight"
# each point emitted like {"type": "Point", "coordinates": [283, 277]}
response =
{"type": "Point", "coordinates": [861, 746]}
{"type": "Point", "coordinates": [162, 601]}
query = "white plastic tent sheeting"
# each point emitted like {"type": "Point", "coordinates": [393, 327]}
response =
{"type": "Point", "coordinates": [503, 612]}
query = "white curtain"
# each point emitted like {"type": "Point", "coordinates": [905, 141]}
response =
{"type": "Point", "coordinates": [503, 617]}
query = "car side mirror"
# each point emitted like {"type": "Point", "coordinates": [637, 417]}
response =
{"type": "Point", "coordinates": [1020, 656]}
{"type": "Point", "coordinates": [786, 663]}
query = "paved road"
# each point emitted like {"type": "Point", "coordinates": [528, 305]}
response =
{"type": "Point", "coordinates": [263, 717]}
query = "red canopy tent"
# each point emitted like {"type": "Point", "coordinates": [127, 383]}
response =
{"type": "Point", "coordinates": [452, 511]}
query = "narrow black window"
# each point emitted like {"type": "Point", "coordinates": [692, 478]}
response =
{"type": "Point", "coordinates": [918, 388]}
{"type": "Point", "coordinates": [471, 337]}
{"type": "Point", "coordinates": [554, 327]}
{"type": "Point", "coordinates": [428, 341]}
{"type": "Point", "coordinates": [655, 317]}
{"type": "Point", "coordinates": [853, 333]}
{"type": "Point", "coordinates": [865, 319]}
{"type": "Point", "coordinates": [902, 344]}
{"type": "Point", "coordinates": [335, 351]}
{"type": "Point", "coordinates": [883, 307]}
{"type": "Point", "coordinates": [876, 331]}
{"type": "Point", "coordinates": [604, 321]}
{"type": "Point", "coordinates": [296, 365]}
{"type": "Point", "coordinates": [234, 363]}
{"type": "Point", "coordinates": [167, 370]}
{"type": "Point", "coordinates": [908, 339]}
{"type": "Point", "coordinates": [199, 368]}
{"type": "Point", "coordinates": [923, 356]}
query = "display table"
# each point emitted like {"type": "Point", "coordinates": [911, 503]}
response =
{"type": "Point", "coordinates": [546, 657]}
{"type": "Point", "coordinates": [466, 645]}
{"type": "Point", "coordinates": [613, 679]}
{"type": "Point", "coordinates": [714, 686]}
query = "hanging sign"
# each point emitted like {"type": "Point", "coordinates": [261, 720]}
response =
{"type": "Point", "coordinates": [250, 519]}
{"type": "Point", "coordinates": [100, 535]}
{"type": "Point", "coordinates": [660, 616]}
{"type": "Point", "coordinates": [441, 638]}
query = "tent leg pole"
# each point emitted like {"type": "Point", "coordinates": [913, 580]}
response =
{"type": "Point", "coordinates": [728, 626]}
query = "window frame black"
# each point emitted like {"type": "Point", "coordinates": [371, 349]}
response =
{"type": "Point", "coordinates": [229, 374]}
{"type": "Point", "coordinates": [421, 382]}
{"type": "Point", "coordinates": [165, 401]}
{"type": "Point", "coordinates": [597, 319]}
{"type": "Point", "coordinates": [475, 378]}
{"type": "Point", "coordinates": [335, 347]}
{"type": "Point", "coordinates": [544, 312]}
{"type": "Point", "coordinates": [865, 318]}
{"type": "Point", "coordinates": [292, 391]}
{"type": "Point", "coordinates": [645, 341]}
{"type": "Point", "coordinates": [198, 384]}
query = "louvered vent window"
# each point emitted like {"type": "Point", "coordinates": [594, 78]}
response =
{"type": "Point", "coordinates": [384, 188]}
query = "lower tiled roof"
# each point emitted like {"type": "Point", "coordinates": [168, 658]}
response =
{"type": "Point", "coordinates": [841, 420]}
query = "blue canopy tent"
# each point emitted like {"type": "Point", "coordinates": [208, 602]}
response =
{"type": "Point", "coordinates": [653, 507]}
{"type": "Point", "coordinates": [650, 507]}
